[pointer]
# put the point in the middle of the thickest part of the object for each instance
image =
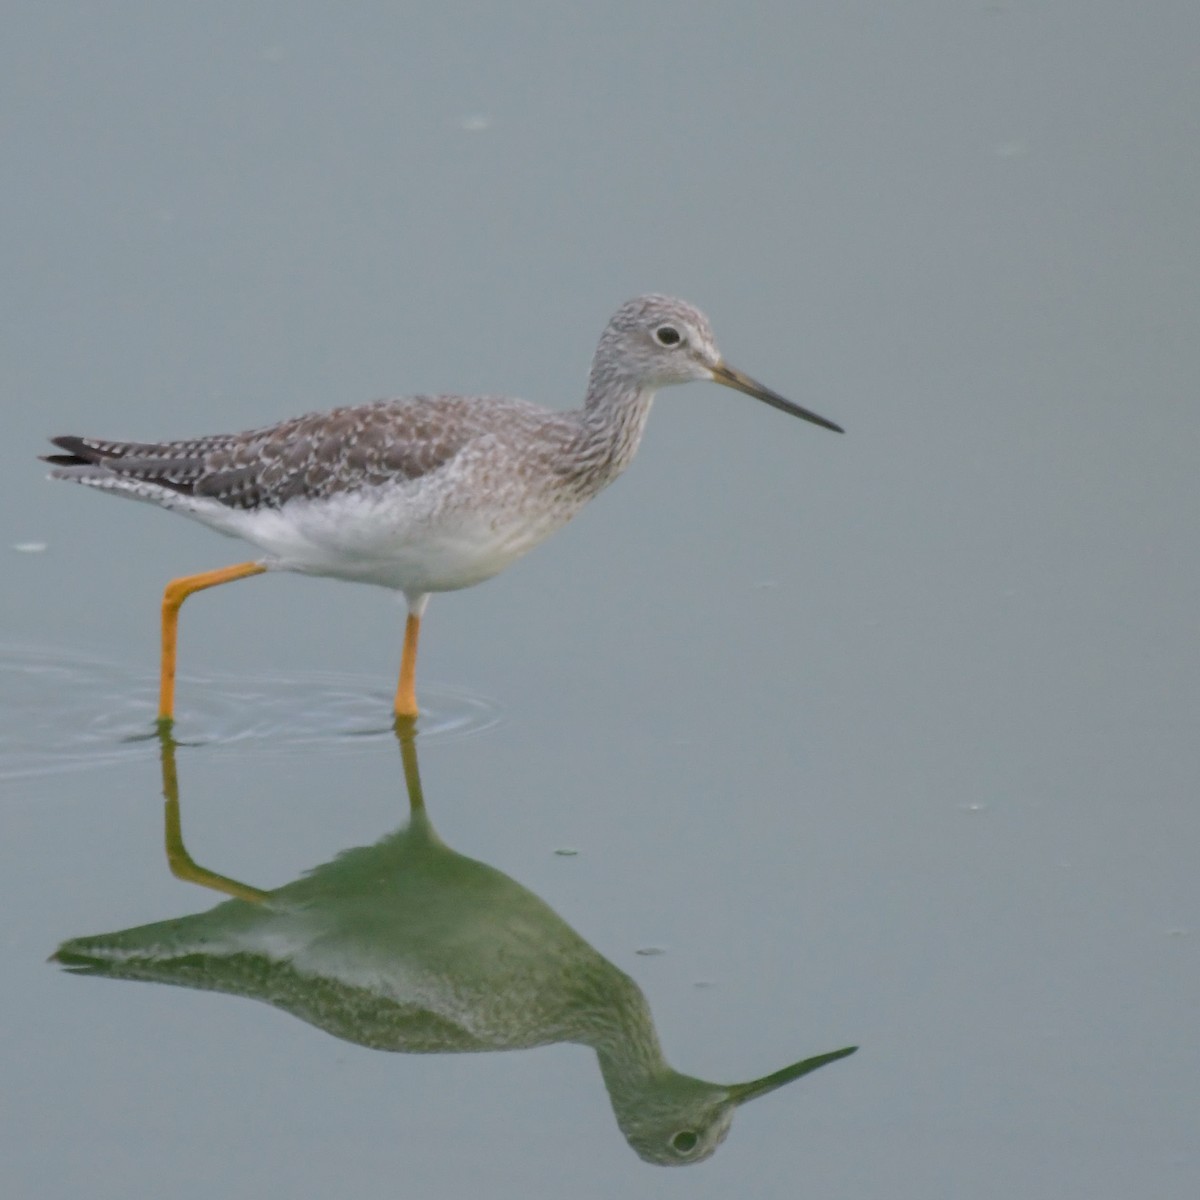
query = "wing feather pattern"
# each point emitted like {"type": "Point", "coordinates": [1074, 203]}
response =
{"type": "Point", "coordinates": [318, 455]}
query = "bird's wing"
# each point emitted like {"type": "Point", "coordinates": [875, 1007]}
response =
{"type": "Point", "coordinates": [317, 455]}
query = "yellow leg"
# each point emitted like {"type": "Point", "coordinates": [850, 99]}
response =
{"type": "Point", "coordinates": [406, 690]}
{"type": "Point", "coordinates": [178, 590]}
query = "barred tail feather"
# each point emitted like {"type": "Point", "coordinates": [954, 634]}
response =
{"type": "Point", "coordinates": [135, 469]}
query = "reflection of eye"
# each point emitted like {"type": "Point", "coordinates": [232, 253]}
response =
{"type": "Point", "coordinates": [667, 335]}
{"type": "Point", "coordinates": [685, 1141]}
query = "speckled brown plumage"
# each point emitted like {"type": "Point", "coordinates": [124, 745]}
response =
{"type": "Point", "coordinates": [315, 456]}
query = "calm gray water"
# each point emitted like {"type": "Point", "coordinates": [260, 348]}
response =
{"type": "Point", "coordinates": [791, 742]}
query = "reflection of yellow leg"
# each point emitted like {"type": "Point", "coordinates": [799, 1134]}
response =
{"type": "Point", "coordinates": [406, 734]}
{"type": "Point", "coordinates": [178, 590]}
{"type": "Point", "coordinates": [406, 691]}
{"type": "Point", "coordinates": [178, 859]}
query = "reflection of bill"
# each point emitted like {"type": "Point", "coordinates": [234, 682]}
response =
{"type": "Point", "coordinates": [406, 945]}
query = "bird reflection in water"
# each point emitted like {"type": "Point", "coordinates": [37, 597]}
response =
{"type": "Point", "coordinates": [407, 946]}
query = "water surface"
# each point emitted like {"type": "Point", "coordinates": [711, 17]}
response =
{"type": "Point", "coordinates": [883, 740]}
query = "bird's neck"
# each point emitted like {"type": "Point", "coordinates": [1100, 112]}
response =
{"type": "Point", "coordinates": [613, 1017]}
{"type": "Point", "coordinates": [610, 427]}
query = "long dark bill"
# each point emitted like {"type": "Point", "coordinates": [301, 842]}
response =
{"type": "Point", "coordinates": [725, 374]}
{"type": "Point", "coordinates": [739, 1093]}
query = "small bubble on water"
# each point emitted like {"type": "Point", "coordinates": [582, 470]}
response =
{"type": "Point", "coordinates": [475, 122]}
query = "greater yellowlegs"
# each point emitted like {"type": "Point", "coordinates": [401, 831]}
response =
{"type": "Point", "coordinates": [409, 946]}
{"type": "Point", "coordinates": [420, 494]}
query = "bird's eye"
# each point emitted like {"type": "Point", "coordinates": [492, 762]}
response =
{"type": "Point", "coordinates": [684, 1142]}
{"type": "Point", "coordinates": [667, 335]}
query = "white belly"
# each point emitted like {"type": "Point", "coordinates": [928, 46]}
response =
{"type": "Point", "coordinates": [379, 538]}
